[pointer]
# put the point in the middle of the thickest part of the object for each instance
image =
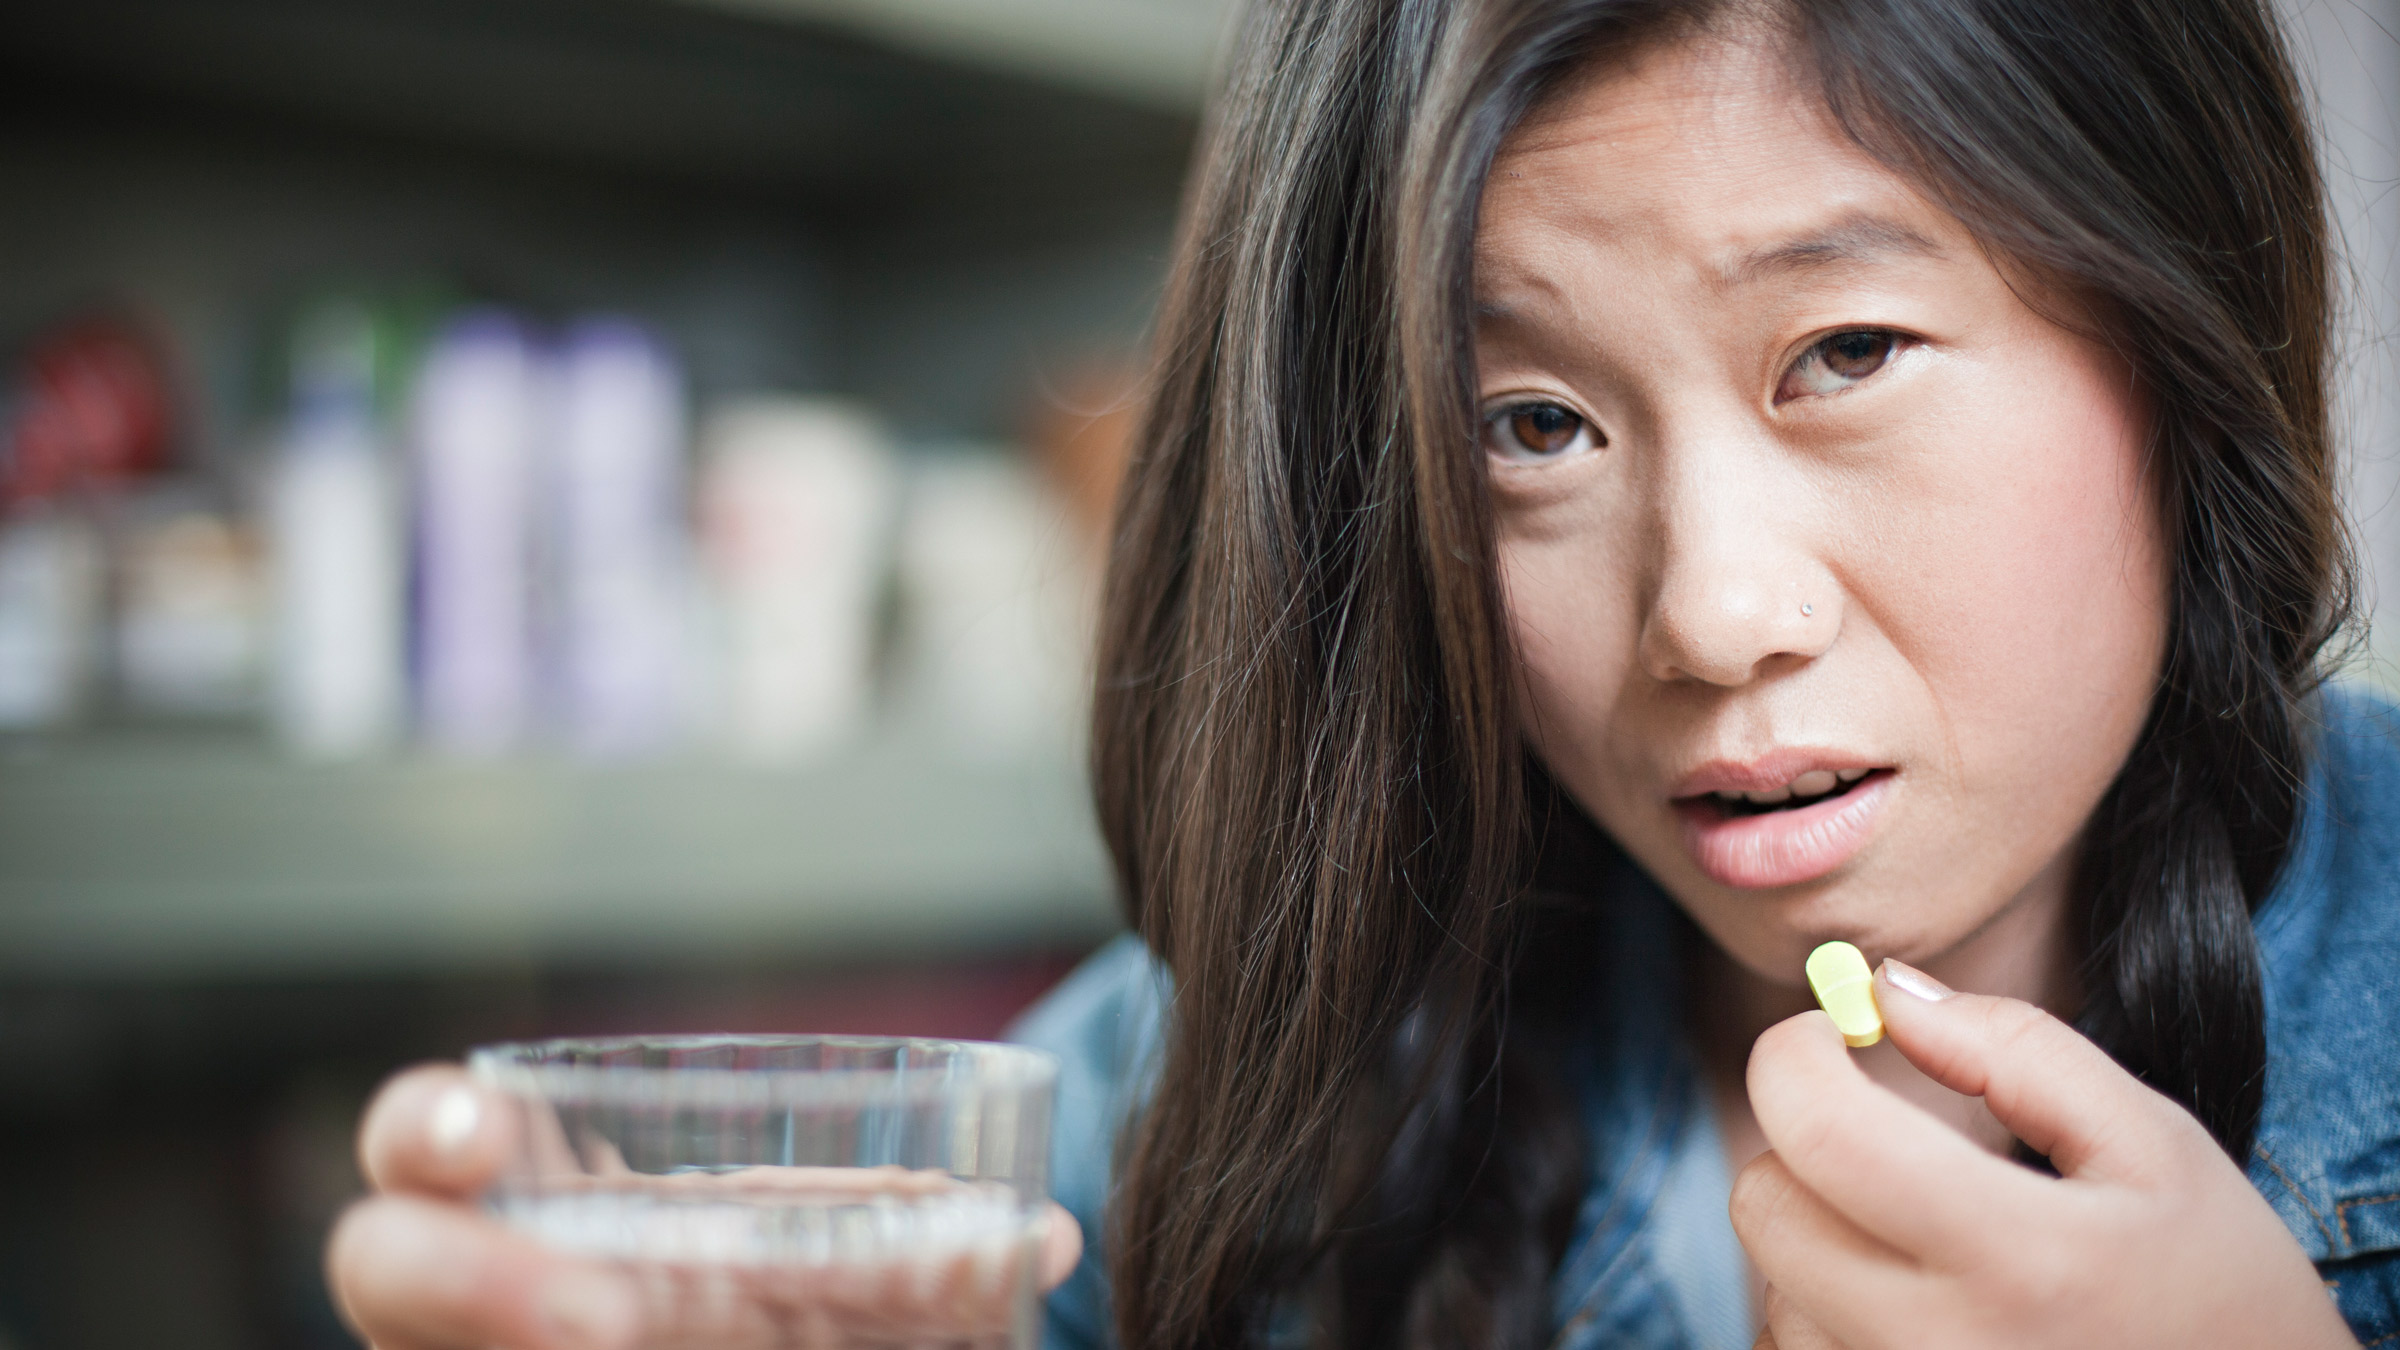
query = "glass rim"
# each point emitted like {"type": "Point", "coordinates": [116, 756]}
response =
{"type": "Point", "coordinates": [989, 1069]}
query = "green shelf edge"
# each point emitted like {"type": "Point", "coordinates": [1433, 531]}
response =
{"type": "Point", "coordinates": [223, 859]}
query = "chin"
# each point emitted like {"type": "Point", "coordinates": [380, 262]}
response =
{"type": "Point", "coordinates": [1771, 934]}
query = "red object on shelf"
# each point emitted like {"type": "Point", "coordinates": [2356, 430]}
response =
{"type": "Point", "coordinates": [91, 408]}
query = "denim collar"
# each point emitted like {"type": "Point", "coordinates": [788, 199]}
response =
{"type": "Point", "coordinates": [2328, 1149]}
{"type": "Point", "coordinates": [1641, 1085]}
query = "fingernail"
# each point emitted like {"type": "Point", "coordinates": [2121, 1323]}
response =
{"type": "Point", "coordinates": [453, 1120]}
{"type": "Point", "coordinates": [587, 1310]}
{"type": "Point", "coordinates": [1910, 980]}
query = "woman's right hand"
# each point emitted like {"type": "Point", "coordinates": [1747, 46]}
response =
{"type": "Point", "coordinates": [416, 1266]}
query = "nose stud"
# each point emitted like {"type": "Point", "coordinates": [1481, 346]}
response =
{"type": "Point", "coordinates": [1806, 608]}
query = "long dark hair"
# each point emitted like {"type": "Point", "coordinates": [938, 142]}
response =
{"type": "Point", "coordinates": [1306, 756]}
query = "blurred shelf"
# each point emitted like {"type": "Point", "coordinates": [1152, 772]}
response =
{"type": "Point", "coordinates": [162, 857]}
{"type": "Point", "coordinates": [1160, 52]}
{"type": "Point", "coordinates": [864, 112]}
{"type": "Point", "coordinates": [812, 194]}
{"type": "Point", "coordinates": [797, 195]}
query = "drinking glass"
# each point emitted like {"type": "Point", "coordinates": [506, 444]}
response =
{"type": "Point", "coordinates": [827, 1192]}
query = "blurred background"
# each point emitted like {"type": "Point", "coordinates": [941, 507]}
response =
{"type": "Point", "coordinates": [522, 517]}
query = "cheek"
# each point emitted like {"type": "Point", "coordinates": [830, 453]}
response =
{"type": "Point", "coordinates": [1570, 600]}
{"type": "Point", "coordinates": [2030, 594]}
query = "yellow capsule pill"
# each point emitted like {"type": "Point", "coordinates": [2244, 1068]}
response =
{"type": "Point", "coordinates": [1845, 988]}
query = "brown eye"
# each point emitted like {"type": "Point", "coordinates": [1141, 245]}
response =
{"type": "Point", "coordinates": [1530, 432]}
{"type": "Point", "coordinates": [1855, 356]}
{"type": "Point", "coordinates": [1545, 428]}
{"type": "Point", "coordinates": [1838, 362]}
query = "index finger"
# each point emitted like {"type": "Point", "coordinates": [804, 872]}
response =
{"type": "Point", "coordinates": [434, 1131]}
{"type": "Point", "coordinates": [1887, 1166]}
{"type": "Point", "coordinates": [2042, 1079]}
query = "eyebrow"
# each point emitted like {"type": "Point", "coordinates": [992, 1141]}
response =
{"type": "Point", "coordinates": [1858, 239]}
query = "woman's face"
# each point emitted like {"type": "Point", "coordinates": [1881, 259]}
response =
{"type": "Point", "coordinates": [1834, 566]}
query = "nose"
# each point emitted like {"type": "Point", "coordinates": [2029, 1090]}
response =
{"type": "Point", "coordinates": [1740, 590]}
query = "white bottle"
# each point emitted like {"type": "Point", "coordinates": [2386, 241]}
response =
{"type": "Point", "coordinates": [335, 539]}
{"type": "Point", "coordinates": [475, 424]}
{"type": "Point", "coordinates": [50, 609]}
{"type": "Point", "coordinates": [998, 598]}
{"type": "Point", "coordinates": [796, 501]}
{"type": "Point", "coordinates": [615, 502]}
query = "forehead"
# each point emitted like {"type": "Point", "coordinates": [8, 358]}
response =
{"type": "Point", "coordinates": [1704, 157]}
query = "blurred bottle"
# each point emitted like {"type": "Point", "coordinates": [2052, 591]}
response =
{"type": "Point", "coordinates": [335, 539]}
{"type": "Point", "coordinates": [997, 592]}
{"type": "Point", "coordinates": [476, 424]}
{"type": "Point", "coordinates": [616, 484]}
{"type": "Point", "coordinates": [50, 604]}
{"type": "Point", "coordinates": [88, 411]}
{"type": "Point", "coordinates": [189, 609]}
{"type": "Point", "coordinates": [796, 497]}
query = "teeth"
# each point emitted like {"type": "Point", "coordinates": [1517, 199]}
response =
{"type": "Point", "coordinates": [1814, 783]}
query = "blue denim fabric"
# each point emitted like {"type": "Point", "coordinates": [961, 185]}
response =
{"type": "Point", "coordinates": [2328, 1152]}
{"type": "Point", "coordinates": [1103, 1023]}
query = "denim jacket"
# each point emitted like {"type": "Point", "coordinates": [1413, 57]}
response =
{"type": "Point", "coordinates": [1652, 1262]}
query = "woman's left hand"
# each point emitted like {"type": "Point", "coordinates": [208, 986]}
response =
{"type": "Point", "coordinates": [1877, 1225]}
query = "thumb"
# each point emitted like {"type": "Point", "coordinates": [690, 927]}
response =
{"type": "Point", "coordinates": [1062, 1246]}
{"type": "Point", "coordinates": [2053, 1089]}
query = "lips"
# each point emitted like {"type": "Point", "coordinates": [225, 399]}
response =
{"type": "Point", "coordinates": [1735, 843]}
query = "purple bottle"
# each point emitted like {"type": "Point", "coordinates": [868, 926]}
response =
{"type": "Point", "coordinates": [615, 493]}
{"type": "Point", "coordinates": [475, 428]}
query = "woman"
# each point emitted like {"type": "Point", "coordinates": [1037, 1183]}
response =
{"type": "Point", "coordinates": [1637, 488]}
